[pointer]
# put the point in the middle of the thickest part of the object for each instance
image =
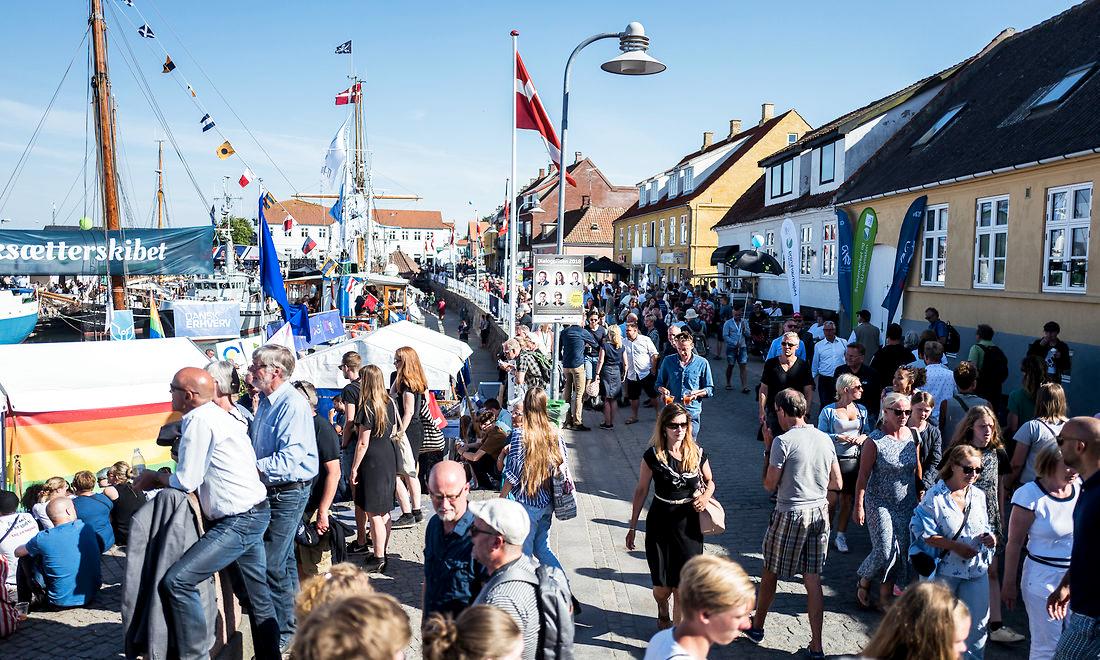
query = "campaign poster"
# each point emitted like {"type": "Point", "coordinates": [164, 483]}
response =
{"type": "Point", "coordinates": [558, 290]}
{"type": "Point", "coordinates": [206, 320]}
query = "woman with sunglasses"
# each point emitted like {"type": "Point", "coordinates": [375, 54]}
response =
{"type": "Point", "coordinates": [847, 424]}
{"type": "Point", "coordinates": [980, 430]}
{"type": "Point", "coordinates": [682, 486]}
{"type": "Point", "coordinates": [886, 493]}
{"type": "Point", "coordinates": [952, 522]}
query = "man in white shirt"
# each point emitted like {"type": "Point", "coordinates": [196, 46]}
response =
{"type": "Point", "coordinates": [939, 380]}
{"type": "Point", "coordinates": [828, 355]}
{"type": "Point", "coordinates": [817, 330]}
{"type": "Point", "coordinates": [217, 460]}
{"type": "Point", "coordinates": [640, 367]}
{"type": "Point", "coordinates": [15, 530]}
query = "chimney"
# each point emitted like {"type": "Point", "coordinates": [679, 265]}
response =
{"type": "Point", "coordinates": [767, 110]}
{"type": "Point", "coordinates": [708, 138]}
{"type": "Point", "coordinates": [542, 172]}
{"type": "Point", "coordinates": [586, 201]}
{"type": "Point", "coordinates": [577, 157]}
{"type": "Point", "coordinates": [735, 127]}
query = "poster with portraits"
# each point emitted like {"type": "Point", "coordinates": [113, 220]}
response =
{"type": "Point", "coordinates": [558, 290]}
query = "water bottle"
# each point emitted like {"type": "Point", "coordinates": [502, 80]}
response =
{"type": "Point", "coordinates": [137, 462]}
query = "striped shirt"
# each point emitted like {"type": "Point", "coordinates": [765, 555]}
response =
{"type": "Point", "coordinates": [518, 598]}
{"type": "Point", "coordinates": [513, 472]}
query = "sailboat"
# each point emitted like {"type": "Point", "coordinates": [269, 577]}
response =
{"type": "Point", "coordinates": [18, 315]}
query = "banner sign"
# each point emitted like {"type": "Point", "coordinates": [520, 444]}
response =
{"type": "Point", "coordinates": [558, 291]}
{"type": "Point", "coordinates": [844, 262]}
{"type": "Point", "coordinates": [122, 324]}
{"type": "Point", "coordinates": [864, 244]}
{"type": "Point", "coordinates": [903, 259]}
{"type": "Point", "coordinates": [790, 264]}
{"type": "Point", "coordinates": [207, 320]}
{"type": "Point", "coordinates": [324, 327]}
{"type": "Point", "coordinates": [238, 351]}
{"type": "Point", "coordinates": [134, 251]}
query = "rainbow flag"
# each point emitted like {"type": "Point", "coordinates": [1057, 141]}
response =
{"type": "Point", "coordinates": [156, 330]}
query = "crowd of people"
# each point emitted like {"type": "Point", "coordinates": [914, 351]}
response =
{"type": "Point", "coordinates": [972, 498]}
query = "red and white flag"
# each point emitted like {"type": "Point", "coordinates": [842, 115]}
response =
{"type": "Point", "coordinates": [507, 211]}
{"type": "Point", "coordinates": [246, 178]}
{"type": "Point", "coordinates": [530, 115]}
{"type": "Point", "coordinates": [308, 246]}
{"type": "Point", "coordinates": [352, 94]}
{"type": "Point", "coordinates": [288, 222]}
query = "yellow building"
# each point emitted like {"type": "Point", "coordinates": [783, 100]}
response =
{"type": "Point", "coordinates": [669, 234]}
{"type": "Point", "coordinates": [1008, 155]}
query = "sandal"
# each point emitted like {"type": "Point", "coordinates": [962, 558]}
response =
{"type": "Point", "coordinates": [863, 594]}
{"type": "Point", "coordinates": [631, 421]}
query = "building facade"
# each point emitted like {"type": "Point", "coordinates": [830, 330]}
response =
{"type": "Point", "coordinates": [588, 231]}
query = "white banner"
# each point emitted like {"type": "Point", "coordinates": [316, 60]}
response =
{"type": "Point", "coordinates": [558, 290]}
{"type": "Point", "coordinates": [790, 259]}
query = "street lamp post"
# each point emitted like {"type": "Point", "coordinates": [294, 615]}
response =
{"type": "Point", "coordinates": [634, 61]}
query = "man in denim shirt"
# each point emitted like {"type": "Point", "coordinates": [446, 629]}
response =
{"type": "Point", "coordinates": [286, 457]}
{"type": "Point", "coordinates": [686, 377]}
{"type": "Point", "coordinates": [451, 576]}
{"type": "Point", "coordinates": [573, 341]}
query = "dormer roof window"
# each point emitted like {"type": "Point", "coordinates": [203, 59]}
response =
{"type": "Point", "coordinates": [940, 124]}
{"type": "Point", "coordinates": [1064, 87]}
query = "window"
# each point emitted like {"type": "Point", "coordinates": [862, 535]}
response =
{"type": "Point", "coordinates": [933, 270]}
{"type": "Point", "coordinates": [304, 231]}
{"type": "Point", "coordinates": [404, 235]}
{"type": "Point", "coordinates": [991, 242]}
{"type": "Point", "coordinates": [662, 239]}
{"type": "Point", "coordinates": [654, 191]}
{"type": "Point", "coordinates": [674, 183]}
{"type": "Point", "coordinates": [672, 230]}
{"type": "Point", "coordinates": [1064, 87]}
{"type": "Point", "coordinates": [642, 195]}
{"type": "Point", "coordinates": [416, 236]}
{"type": "Point", "coordinates": [806, 250]}
{"type": "Point", "coordinates": [391, 235]}
{"type": "Point", "coordinates": [828, 249]}
{"type": "Point", "coordinates": [782, 178]}
{"type": "Point", "coordinates": [769, 242]}
{"type": "Point", "coordinates": [683, 230]}
{"type": "Point", "coordinates": [322, 232]}
{"type": "Point", "coordinates": [689, 179]}
{"type": "Point", "coordinates": [939, 125]}
{"type": "Point", "coordinates": [653, 232]}
{"type": "Point", "coordinates": [1068, 215]}
{"type": "Point", "coordinates": [622, 238]}
{"type": "Point", "coordinates": [792, 138]}
{"type": "Point", "coordinates": [826, 163]}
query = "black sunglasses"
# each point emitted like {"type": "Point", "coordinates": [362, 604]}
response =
{"type": "Point", "coordinates": [677, 425]}
{"type": "Point", "coordinates": [900, 413]}
{"type": "Point", "coordinates": [967, 470]}
{"type": "Point", "coordinates": [474, 531]}
{"type": "Point", "coordinates": [789, 345]}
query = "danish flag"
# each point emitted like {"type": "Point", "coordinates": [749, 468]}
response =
{"type": "Point", "coordinates": [530, 115]}
{"type": "Point", "coordinates": [350, 95]}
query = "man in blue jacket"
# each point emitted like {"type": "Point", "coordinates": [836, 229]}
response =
{"type": "Point", "coordinates": [687, 378]}
{"type": "Point", "coordinates": [573, 340]}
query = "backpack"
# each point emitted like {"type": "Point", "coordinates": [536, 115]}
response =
{"type": "Point", "coordinates": [555, 601]}
{"type": "Point", "coordinates": [994, 371]}
{"type": "Point", "coordinates": [545, 368]}
{"type": "Point", "coordinates": [953, 340]}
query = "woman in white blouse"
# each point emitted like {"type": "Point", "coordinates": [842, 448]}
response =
{"type": "Point", "coordinates": [1042, 513]}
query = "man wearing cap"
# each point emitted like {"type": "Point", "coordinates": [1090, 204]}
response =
{"type": "Point", "coordinates": [499, 529]}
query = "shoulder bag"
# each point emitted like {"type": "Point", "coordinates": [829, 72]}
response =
{"type": "Point", "coordinates": [565, 502]}
{"type": "Point", "coordinates": [712, 519]}
{"type": "Point", "coordinates": [925, 564]}
{"type": "Point", "coordinates": [406, 462]}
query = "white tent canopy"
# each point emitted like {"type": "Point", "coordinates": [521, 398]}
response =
{"type": "Point", "coordinates": [90, 375]}
{"type": "Point", "coordinates": [441, 356]}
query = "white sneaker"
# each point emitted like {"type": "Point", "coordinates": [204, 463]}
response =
{"type": "Point", "coordinates": [1005, 635]}
{"type": "Point", "coordinates": [841, 542]}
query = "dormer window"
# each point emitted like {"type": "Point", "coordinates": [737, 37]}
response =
{"type": "Point", "coordinates": [654, 191]}
{"type": "Point", "coordinates": [940, 124]}
{"type": "Point", "coordinates": [689, 179]}
{"type": "Point", "coordinates": [674, 183]}
{"type": "Point", "coordinates": [1064, 87]}
{"type": "Point", "coordinates": [642, 189]}
{"type": "Point", "coordinates": [782, 178]}
{"type": "Point", "coordinates": [826, 163]}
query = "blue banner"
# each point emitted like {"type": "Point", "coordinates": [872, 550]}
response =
{"type": "Point", "coordinates": [207, 320]}
{"type": "Point", "coordinates": [907, 247]}
{"type": "Point", "coordinates": [323, 326]}
{"type": "Point", "coordinates": [95, 252]}
{"type": "Point", "coordinates": [844, 261]}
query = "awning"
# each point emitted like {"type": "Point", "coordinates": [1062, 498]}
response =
{"type": "Point", "coordinates": [722, 254]}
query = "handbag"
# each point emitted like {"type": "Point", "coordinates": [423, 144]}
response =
{"type": "Point", "coordinates": [924, 563]}
{"type": "Point", "coordinates": [712, 519]}
{"type": "Point", "coordinates": [406, 462]}
{"type": "Point", "coordinates": [433, 437]}
{"type": "Point", "coordinates": [565, 503]}
{"type": "Point", "coordinates": [592, 389]}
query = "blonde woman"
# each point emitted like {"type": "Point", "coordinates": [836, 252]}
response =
{"type": "Point", "coordinates": [364, 627]}
{"type": "Point", "coordinates": [847, 425]}
{"type": "Point", "coordinates": [927, 622]}
{"type": "Point", "coordinates": [127, 500]}
{"type": "Point", "coordinates": [373, 475]}
{"type": "Point", "coordinates": [481, 632]}
{"type": "Point", "coordinates": [609, 366]}
{"type": "Point", "coordinates": [535, 453]}
{"type": "Point", "coordinates": [53, 488]}
{"type": "Point", "coordinates": [683, 485]}
{"type": "Point", "coordinates": [716, 599]}
{"type": "Point", "coordinates": [342, 580]}
{"type": "Point", "coordinates": [410, 386]}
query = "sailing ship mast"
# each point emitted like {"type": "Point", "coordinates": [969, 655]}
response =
{"type": "Point", "coordinates": [160, 184]}
{"type": "Point", "coordinates": [105, 131]}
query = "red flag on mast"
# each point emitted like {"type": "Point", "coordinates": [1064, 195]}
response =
{"type": "Point", "coordinates": [352, 94]}
{"type": "Point", "coordinates": [530, 115]}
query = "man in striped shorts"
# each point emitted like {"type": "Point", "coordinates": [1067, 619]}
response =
{"type": "Point", "coordinates": [803, 472]}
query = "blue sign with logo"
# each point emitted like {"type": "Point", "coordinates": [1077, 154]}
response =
{"type": "Point", "coordinates": [122, 324]}
{"type": "Point", "coordinates": [136, 252]}
{"type": "Point", "coordinates": [323, 327]}
{"type": "Point", "coordinates": [207, 320]}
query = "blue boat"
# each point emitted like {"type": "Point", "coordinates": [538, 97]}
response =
{"type": "Point", "coordinates": [18, 315]}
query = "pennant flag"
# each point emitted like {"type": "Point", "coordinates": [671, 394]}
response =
{"type": "Point", "coordinates": [284, 337]}
{"type": "Point", "coordinates": [308, 246]}
{"type": "Point", "coordinates": [337, 210]}
{"type": "Point", "coordinates": [246, 178]}
{"type": "Point", "coordinates": [271, 280]}
{"type": "Point", "coordinates": [288, 222]}
{"type": "Point", "coordinates": [212, 220]}
{"type": "Point", "coordinates": [903, 259]}
{"type": "Point", "coordinates": [530, 115]}
{"type": "Point", "coordinates": [329, 268]}
{"type": "Point", "coordinates": [335, 158]}
{"type": "Point", "coordinates": [269, 200]}
{"type": "Point", "coordinates": [226, 150]}
{"type": "Point", "coordinates": [156, 330]}
{"type": "Point", "coordinates": [192, 90]}
{"type": "Point", "coordinates": [169, 66]}
{"type": "Point", "coordinates": [128, 3]}
{"type": "Point", "coordinates": [207, 122]}
{"type": "Point", "coordinates": [350, 95]}
{"type": "Point", "coordinates": [790, 246]}
{"type": "Point", "coordinates": [844, 241]}
{"type": "Point", "coordinates": [146, 31]}
{"type": "Point", "coordinates": [350, 286]}
{"type": "Point", "coordinates": [344, 48]}
{"type": "Point", "coordinates": [371, 302]}
{"type": "Point", "coordinates": [863, 245]}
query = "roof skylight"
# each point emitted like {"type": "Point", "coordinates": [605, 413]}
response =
{"type": "Point", "coordinates": [1063, 87]}
{"type": "Point", "coordinates": [939, 125]}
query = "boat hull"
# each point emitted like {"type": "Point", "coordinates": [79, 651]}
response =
{"type": "Point", "coordinates": [14, 329]}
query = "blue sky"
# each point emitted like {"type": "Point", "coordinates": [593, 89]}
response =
{"type": "Point", "coordinates": [437, 88]}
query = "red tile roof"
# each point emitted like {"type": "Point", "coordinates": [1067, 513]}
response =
{"type": "Point", "coordinates": [305, 213]}
{"type": "Point", "coordinates": [409, 219]}
{"type": "Point", "coordinates": [579, 222]}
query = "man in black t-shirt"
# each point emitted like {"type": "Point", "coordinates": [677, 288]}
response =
{"type": "Point", "coordinates": [891, 356]}
{"type": "Point", "coordinates": [872, 387]}
{"type": "Point", "coordinates": [786, 370]}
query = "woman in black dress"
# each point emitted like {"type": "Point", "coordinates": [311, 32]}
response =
{"type": "Point", "coordinates": [374, 466]}
{"type": "Point", "coordinates": [409, 389]}
{"type": "Point", "coordinates": [127, 500]}
{"type": "Point", "coordinates": [682, 485]}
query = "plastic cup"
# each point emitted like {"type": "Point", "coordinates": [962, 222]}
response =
{"type": "Point", "coordinates": [669, 399]}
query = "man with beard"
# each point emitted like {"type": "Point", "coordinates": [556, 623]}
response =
{"type": "Point", "coordinates": [451, 576]}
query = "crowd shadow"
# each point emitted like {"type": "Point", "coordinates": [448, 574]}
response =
{"type": "Point", "coordinates": [40, 637]}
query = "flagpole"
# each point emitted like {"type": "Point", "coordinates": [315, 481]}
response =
{"type": "Point", "coordinates": [514, 272]}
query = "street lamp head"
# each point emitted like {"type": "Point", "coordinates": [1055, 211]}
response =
{"type": "Point", "coordinates": [634, 60]}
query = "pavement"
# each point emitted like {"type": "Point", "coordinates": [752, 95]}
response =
{"type": "Point", "coordinates": [619, 614]}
